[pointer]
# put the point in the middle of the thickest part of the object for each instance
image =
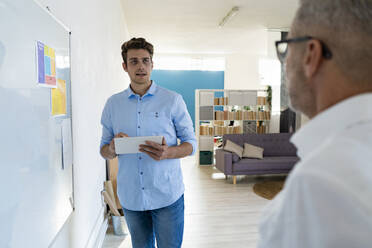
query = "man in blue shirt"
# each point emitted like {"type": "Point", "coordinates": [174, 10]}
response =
{"type": "Point", "coordinates": [150, 184]}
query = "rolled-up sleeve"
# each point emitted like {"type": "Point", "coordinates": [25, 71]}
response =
{"type": "Point", "coordinates": [183, 123]}
{"type": "Point", "coordinates": [107, 130]}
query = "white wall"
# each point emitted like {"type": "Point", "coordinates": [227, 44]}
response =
{"type": "Point", "coordinates": [273, 36]}
{"type": "Point", "coordinates": [202, 62]}
{"type": "Point", "coordinates": [242, 69]}
{"type": "Point", "coordinates": [98, 30]}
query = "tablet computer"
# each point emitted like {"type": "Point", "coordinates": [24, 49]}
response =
{"type": "Point", "coordinates": [127, 145]}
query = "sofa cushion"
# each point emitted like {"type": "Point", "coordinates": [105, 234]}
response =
{"type": "Point", "coordinates": [232, 147]}
{"type": "Point", "coordinates": [266, 164]}
{"type": "Point", "coordinates": [251, 151]}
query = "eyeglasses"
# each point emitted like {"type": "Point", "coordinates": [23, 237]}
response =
{"type": "Point", "coordinates": [282, 47]}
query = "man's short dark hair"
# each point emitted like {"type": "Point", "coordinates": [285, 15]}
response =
{"type": "Point", "coordinates": [136, 43]}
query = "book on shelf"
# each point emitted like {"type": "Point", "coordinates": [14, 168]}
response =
{"type": "Point", "coordinates": [245, 98]}
{"type": "Point", "coordinates": [242, 115]}
{"type": "Point", "coordinates": [221, 101]}
{"type": "Point", "coordinates": [261, 100]}
{"type": "Point", "coordinates": [219, 123]}
{"type": "Point", "coordinates": [261, 129]}
{"type": "Point", "coordinates": [220, 130]}
{"type": "Point", "coordinates": [206, 130]}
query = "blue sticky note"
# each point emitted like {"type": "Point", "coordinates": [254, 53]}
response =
{"type": "Point", "coordinates": [47, 66]}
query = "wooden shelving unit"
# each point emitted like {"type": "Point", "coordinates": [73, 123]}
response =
{"type": "Point", "coordinates": [219, 112]}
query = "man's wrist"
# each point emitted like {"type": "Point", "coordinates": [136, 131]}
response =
{"type": "Point", "coordinates": [113, 153]}
{"type": "Point", "coordinates": [108, 153]}
{"type": "Point", "coordinates": [169, 154]}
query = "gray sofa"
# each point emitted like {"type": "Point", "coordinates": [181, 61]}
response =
{"type": "Point", "coordinates": [279, 155]}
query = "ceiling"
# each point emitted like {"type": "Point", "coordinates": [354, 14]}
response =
{"type": "Point", "coordinates": [191, 26]}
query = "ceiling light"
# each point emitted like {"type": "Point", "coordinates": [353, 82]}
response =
{"type": "Point", "coordinates": [229, 15]}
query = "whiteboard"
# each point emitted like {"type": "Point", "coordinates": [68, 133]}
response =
{"type": "Point", "coordinates": [36, 149]}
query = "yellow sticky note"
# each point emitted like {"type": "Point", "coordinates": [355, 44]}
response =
{"type": "Point", "coordinates": [52, 53]}
{"type": "Point", "coordinates": [59, 98]}
{"type": "Point", "coordinates": [46, 51]}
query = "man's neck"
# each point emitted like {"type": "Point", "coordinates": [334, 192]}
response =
{"type": "Point", "coordinates": [334, 90]}
{"type": "Point", "coordinates": [140, 89]}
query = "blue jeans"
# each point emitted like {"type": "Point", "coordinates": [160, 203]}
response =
{"type": "Point", "coordinates": [166, 224]}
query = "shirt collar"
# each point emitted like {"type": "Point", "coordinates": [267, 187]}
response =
{"type": "Point", "coordinates": [151, 91]}
{"type": "Point", "coordinates": [332, 121]}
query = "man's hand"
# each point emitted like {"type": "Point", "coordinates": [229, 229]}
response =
{"type": "Point", "coordinates": [108, 151]}
{"type": "Point", "coordinates": [112, 144]}
{"type": "Point", "coordinates": [155, 150]}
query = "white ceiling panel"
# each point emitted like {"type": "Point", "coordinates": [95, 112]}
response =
{"type": "Point", "coordinates": [191, 26]}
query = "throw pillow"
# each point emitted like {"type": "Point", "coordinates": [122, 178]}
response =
{"type": "Point", "coordinates": [251, 151]}
{"type": "Point", "coordinates": [232, 147]}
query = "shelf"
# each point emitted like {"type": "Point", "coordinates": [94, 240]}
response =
{"type": "Point", "coordinates": [242, 104]}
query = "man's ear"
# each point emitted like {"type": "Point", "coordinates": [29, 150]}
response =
{"type": "Point", "coordinates": [125, 66]}
{"type": "Point", "coordinates": [313, 58]}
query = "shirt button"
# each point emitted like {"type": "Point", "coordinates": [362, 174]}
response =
{"type": "Point", "coordinates": [139, 112]}
{"type": "Point", "coordinates": [139, 127]}
{"type": "Point", "coordinates": [143, 188]}
{"type": "Point", "coordinates": [141, 173]}
{"type": "Point", "coordinates": [140, 158]}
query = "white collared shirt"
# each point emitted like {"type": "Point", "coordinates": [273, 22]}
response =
{"type": "Point", "coordinates": [327, 198]}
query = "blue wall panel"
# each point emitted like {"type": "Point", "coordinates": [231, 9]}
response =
{"type": "Point", "coordinates": [186, 82]}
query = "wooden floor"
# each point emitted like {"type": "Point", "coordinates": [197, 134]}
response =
{"type": "Point", "coordinates": [218, 214]}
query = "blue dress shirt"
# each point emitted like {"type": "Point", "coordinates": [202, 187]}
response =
{"type": "Point", "coordinates": [144, 183]}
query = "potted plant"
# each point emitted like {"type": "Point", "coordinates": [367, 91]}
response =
{"type": "Point", "coordinates": [269, 96]}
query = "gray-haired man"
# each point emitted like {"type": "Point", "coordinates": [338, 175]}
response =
{"type": "Point", "coordinates": [326, 201]}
